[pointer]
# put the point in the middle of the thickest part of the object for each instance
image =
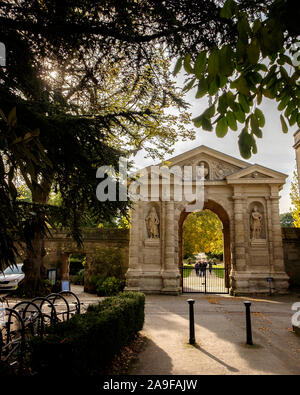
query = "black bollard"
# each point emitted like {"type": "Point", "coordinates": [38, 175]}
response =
{"type": "Point", "coordinates": [248, 323]}
{"type": "Point", "coordinates": [192, 323]}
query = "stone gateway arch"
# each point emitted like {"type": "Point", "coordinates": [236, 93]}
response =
{"type": "Point", "coordinates": [246, 199]}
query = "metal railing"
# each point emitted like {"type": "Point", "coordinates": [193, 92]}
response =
{"type": "Point", "coordinates": [30, 318]}
{"type": "Point", "coordinates": [208, 280]}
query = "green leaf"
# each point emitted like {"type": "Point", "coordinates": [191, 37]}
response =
{"type": "Point", "coordinates": [243, 29]}
{"type": "Point", "coordinates": [231, 100]}
{"type": "Point", "coordinates": [231, 120]}
{"type": "Point", "coordinates": [200, 64]}
{"type": "Point", "coordinates": [240, 115]}
{"type": "Point", "coordinates": [268, 93]}
{"type": "Point", "coordinates": [259, 96]}
{"type": "Point", "coordinates": [283, 124]}
{"type": "Point", "coordinates": [283, 103]}
{"type": "Point", "coordinates": [223, 80]}
{"type": "Point", "coordinates": [198, 121]}
{"type": "Point", "coordinates": [214, 86]}
{"type": "Point", "coordinates": [223, 104]}
{"type": "Point", "coordinates": [290, 108]}
{"type": "Point", "coordinates": [189, 85]}
{"type": "Point", "coordinates": [202, 88]}
{"type": "Point", "coordinates": [260, 117]}
{"type": "Point", "coordinates": [187, 64]}
{"type": "Point", "coordinates": [293, 117]}
{"type": "Point", "coordinates": [241, 86]}
{"type": "Point", "coordinates": [245, 143]}
{"type": "Point", "coordinates": [226, 60]}
{"type": "Point", "coordinates": [254, 146]}
{"type": "Point", "coordinates": [254, 123]}
{"type": "Point", "coordinates": [222, 127]}
{"type": "Point", "coordinates": [244, 103]}
{"type": "Point", "coordinates": [203, 119]}
{"type": "Point", "coordinates": [262, 67]}
{"type": "Point", "coordinates": [284, 73]}
{"type": "Point", "coordinates": [228, 9]}
{"type": "Point", "coordinates": [258, 133]}
{"type": "Point", "coordinates": [206, 125]}
{"type": "Point", "coordinates": [241, 51]}
{"type": "Point", "coordinates": [256, 26]}
{"type": "Point", "coordinates": [213, 63]}
{"type": "Point", "coordinates": [285, 59]}
{"type": "Point", "coordinates": [209, 112]}
{"type": "Point", "coordinates": [177, 67]}
{"type": "Point", "coordinates": [253, 51]}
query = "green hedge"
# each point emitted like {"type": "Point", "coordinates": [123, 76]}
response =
{"type": "Point", "coordinates": [109, 286]}
{"type": "Point", "coordinates": [86, 344]}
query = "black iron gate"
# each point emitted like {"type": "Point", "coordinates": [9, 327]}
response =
{"type": "Point", "coordinates": [208, 281]}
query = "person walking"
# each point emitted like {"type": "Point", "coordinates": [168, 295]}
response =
{"type": "Point", "coordinates": [204, 267]}
{"type": "Point", "coordinates": [210, 266]}
{"type": "Point", "coordinates": [197, 268]}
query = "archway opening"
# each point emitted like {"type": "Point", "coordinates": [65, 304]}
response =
{"type": "Point", "coordinates": [204, 241]}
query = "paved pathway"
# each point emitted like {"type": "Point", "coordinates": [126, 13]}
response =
{"type": "Point", "coordinates": [220, 336]}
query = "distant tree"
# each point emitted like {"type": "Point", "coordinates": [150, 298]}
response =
{"type": "Point", "coordinates": [202, 232]}
{"type": "Point", "coordinates": [295, 199]}
{"type": "Point", "coordinates": [287, 220]}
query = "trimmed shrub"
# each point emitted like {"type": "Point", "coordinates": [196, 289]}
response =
{"type": "Point", "coordinates": [109, 286]}
{"type": "Point", "coordinates": [87, 343]}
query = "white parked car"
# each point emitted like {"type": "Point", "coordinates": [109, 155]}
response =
{"type": "Point", "coordinates": [11, 277]}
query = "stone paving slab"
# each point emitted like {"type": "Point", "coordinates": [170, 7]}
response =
{"type": "Point", "coordinates": [220, 336]}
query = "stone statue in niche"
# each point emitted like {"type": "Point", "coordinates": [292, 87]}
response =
{"type": "Point", "coordinates": [152, 222]}
{"type": "Point", "coordinates": [256, 223]}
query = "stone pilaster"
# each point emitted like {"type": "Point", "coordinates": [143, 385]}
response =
{"type": "Point", "coordinates": [270, 233]}
{"type": "Point", "coordinates": [277, 235]}
{"type": "Point", "coordinates": [170, 273]}
{"type": "Point", "coordinates": [239, 247]}
{"type": "Point", "coordinates": [239, 279]}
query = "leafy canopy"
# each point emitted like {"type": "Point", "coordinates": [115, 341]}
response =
{"type": "Point", "coordinates": [261, 63]}
{"type": "Point", "coordinates": [202, 232]}
{"type": "Point", "coordinates": [295, 199]}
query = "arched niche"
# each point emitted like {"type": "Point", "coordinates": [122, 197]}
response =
{"type": "Point", "coordinates": [257, 207]}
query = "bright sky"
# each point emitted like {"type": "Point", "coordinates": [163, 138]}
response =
{"type": "Point", "coordinates": [275, 149]}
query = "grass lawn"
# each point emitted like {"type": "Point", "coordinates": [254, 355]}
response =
{"type": "Point", "coordinates": [187, 270]}
{"type": "Point", "coordinates": [219, 270]}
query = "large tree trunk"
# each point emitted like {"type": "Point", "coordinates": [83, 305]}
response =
{"type": "Point", "coordinates": [33, 267]}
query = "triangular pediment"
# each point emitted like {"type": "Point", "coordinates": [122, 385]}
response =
{"type": "Point", "coordinates": [203, 152]}
{"type": "Point", "coordinates": [218, 167]}
{"type": "Point", "coordinates": [256, 174]}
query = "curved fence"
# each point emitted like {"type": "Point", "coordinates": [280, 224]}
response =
{"type": "Point", "coordinates": [30, 318]}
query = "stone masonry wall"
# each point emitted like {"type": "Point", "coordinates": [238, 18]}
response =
{"type": "Point", "coordinates": [94, 241]}
{"type": "Point", "coordinates": [291, 250]}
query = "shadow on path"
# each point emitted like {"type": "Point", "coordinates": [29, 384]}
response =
{"type": "Point", "coordinates": [230, 368]}
{"type": "Point", "coordinates": [152, 360]}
